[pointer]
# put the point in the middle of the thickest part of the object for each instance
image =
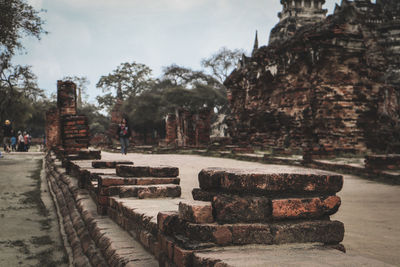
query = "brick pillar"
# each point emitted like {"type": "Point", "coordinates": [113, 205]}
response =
{"type": "Point", "coordinates": [203, 127]}
{"type": "Point", "coordinates": [66, 98]}
{"type": "Point", "coordinates": [53, 128]}
{"type": "Point", "coordinates": [170, 129]}
{"type": "Point", "coordinates": [116, 117]}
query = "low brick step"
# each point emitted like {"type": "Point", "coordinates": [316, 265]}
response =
{"type": "Point", "coordinates": [89, 154]}
{"type": "Point", "coordinates": [382, 162]}
{"type": "Point", "coordinates": [109, 163]}
{"type": "Point", "coordinates": [246, 209]}
{"type": "Point", "coordinates": [318, 231]}
{"type": "Point", "coordinates": [146, 171]}
{"type": "Point", "coordinates": [264, 182]}
{"type": "Point", "coordinates": [196, 211]}
{"type": "Point", "coordinates": [113, 180]}
{"type": "Point", "coordinates": [150, 191]}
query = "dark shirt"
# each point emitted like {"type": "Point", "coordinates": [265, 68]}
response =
{"type": "Point", "coordinates": [123, 131]}
{"type": "Point", "coordinates": [7, 130]}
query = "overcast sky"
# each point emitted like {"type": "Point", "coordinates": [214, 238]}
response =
{"type": "Point", "coordinates": [92, 37]}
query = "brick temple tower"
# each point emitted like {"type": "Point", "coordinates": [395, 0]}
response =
{"type": "Point", "coordinates": [295, 14]}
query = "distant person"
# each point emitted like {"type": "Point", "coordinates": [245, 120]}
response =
{"type": "Point", "coordinates": [13, 143]}
{"type": "Point", "coordinates": [21, 142]}
{"type": "Point", "coordinates": [7, 134]}
{"type": "Point", "coordinates": [27, 141]}
{"type": "Point", "coordinates": [124, 133]}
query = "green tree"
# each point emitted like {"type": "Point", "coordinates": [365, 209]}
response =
{"type": "Point", "coordinates": [128, 79]}
{"type": "Point", "coordinates": [17, 19]}
{"type": "Point", "coordinates": [145, 112]}
{"type": "Point", "coordinates": [98, 123]}
{"type": "Point", "coordinates": [192, 90]}
{"type": "Point", "coordinates": [18, 86]}
{"type": "Point", "coordinates": [18, 93]}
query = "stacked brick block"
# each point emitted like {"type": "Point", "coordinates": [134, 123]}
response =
{"type": "Point", "coordinates": [75, 133]}
{"type": "Point", "coordinates": [234, 207]}
{"type": "Point", "coordinates": [106, 179]}
{"type": "Point", "coordinates": [74, 129]}
{"type": "Point", "coordinates": [64, 128]}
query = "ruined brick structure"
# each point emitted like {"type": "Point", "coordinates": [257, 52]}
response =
{"type": "Point", "coordinates": [116, 117]}
{"type": "Point", "coordinates": [294, 15]}
{"type": "Point", "coordinates": [188, 129]}
{"type": "Point", "coordinates": [64, 128]}
{"type": "Point", "coordinates": [330, 85]}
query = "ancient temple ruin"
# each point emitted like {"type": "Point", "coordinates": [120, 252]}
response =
{"type": "Point", "coordinates": [324, 84]}
{"type": "Point", "coordinates": [296, 14]}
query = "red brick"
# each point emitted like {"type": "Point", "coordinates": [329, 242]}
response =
{"type": "Point", "coordinates": [196, 212]}
{"type": "Point", "coordinates": [296, 208]}
{"type": "Point", "coordinates": [222, 236]}
{"type": "Point", "coordinates": [182, 258]}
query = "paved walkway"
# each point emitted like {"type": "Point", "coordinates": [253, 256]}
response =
{"type": "Point", "coordinates": [369, 211]}
{"type": "Point", "coordinates": [29, 232]}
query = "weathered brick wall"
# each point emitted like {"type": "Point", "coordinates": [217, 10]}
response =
{"type": "Point", "coordinates": [116, 117]}
{"type": "Point", "coordinates": [185, 128]}
{"type": "Point", "coordinates": [334, 86]}
{"type": "Point", "coordinates": [75, 133]}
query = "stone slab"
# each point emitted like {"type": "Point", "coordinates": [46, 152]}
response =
{"type": "Point", "coordinates": [265, 182]}
{"type": "Point", "coordinates": [103, 164]}
{"type": "Point", "coordinates": [146, 171]}
{"type": "Point", "coordinates": [150, 191]}
{"type": "Point", "coordinates": [321, 231]}
{"type": "Point", "coordinates": [113, 180]}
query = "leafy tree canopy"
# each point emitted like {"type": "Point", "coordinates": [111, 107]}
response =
{"type": "Point", "coordinates": [21, 101]}
{"type": "Point", "coordinates": [17, 19]}
{"type": "Point", "coordinates": [127, 80]}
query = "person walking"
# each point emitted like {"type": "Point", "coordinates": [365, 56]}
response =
{"type": "Point", "coordinates": [21, 142]}
{"type": "Point", "coordinates": [27, 141]}
{"type": "Point", "coordinates": [7, 133]}
{"type": "Point", "coordinates": [124, 132]}
{"type": "Point", "coordinates": [13, 143]}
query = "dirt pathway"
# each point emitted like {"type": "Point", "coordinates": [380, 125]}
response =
{"type": "Point", "coordinates": [370, 211]}
{"type": "Point", "coordinates": [29, 232]}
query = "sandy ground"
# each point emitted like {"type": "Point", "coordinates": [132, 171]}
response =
{"type": "Point", "coordinates": [29, 232]}
{"type": "Point", "coordinates": [369, 211]}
